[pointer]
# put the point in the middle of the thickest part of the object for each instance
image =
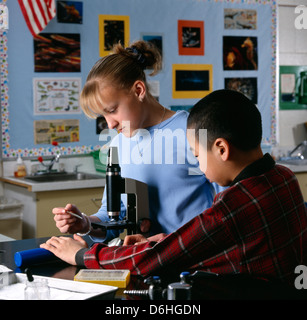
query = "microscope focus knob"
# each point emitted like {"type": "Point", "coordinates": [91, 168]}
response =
{"type": "Point", "coordinates": [180, 290]}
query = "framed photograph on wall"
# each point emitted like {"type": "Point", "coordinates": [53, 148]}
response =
{"type": "Point", "coordinates": [57, 52]}
{"type": "Point", "coordinates": [69, 11]}
{"type": "Point", "coordinates": [191, 37]}
{"type": "Point", "coordinates": [112, 29]}
{"type": "Point", "coordinates": [101, 124]}
{"type": "Point", "coordinates": [154, 38]}
{"type": "Point", "coordinates": [240, 53]}
{"type": "Point", "coordinates": [192, 81]}
{"type": "Point", "coordinates": [247, 86]}
{"type": "Point", "coordinates": [240, 19]}
{"type": "Point", "coordinates": [185, 108]}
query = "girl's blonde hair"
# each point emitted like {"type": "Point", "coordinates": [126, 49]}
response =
{"type": "Point", "coordinates": [121, 68]}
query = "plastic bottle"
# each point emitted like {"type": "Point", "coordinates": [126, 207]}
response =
{"type": "Point", "coordinates": [20, 169]}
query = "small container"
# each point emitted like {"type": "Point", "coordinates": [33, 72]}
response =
{"type": "Point", "coordinates": [20, 169]}
{"type": "Point", "coordinates": [37, 290]}
{"type": "Point", "coordinates": [117, 278]}
{"type": "Point", "coordinates": [100, 159]}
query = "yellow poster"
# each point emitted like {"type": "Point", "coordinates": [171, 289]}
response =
{"type": "Point", "coordinates": [192, 81]}
{"type": "Point", "coordinates": [57, 130]}
{"type": "Point", "coordinates": [112, 29]}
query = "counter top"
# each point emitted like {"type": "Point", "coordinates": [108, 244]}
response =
{"type": "Point", "coordinates": [90, 183]}
{"type": "Point", "coordinates": [51, 186]}
{"type": "Point", "coordinates": [294, 168]}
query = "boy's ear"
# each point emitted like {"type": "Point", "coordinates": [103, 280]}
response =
{"type": "Point", "coordinates": [222, 148]}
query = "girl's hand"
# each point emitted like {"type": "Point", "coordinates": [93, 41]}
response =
{"type": "Point", "coordinates": [67, 223]}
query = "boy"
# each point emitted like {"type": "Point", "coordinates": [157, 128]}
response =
{"type": "Point", "coordinates": [257, 226]}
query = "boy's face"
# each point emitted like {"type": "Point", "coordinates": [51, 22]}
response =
{"type": "Point", "coordinates": [210, 162]}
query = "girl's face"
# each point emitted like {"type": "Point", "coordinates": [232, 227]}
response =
{"type": "Point", "coordinates": [122, 109]}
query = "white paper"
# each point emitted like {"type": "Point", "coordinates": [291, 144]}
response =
{"type": "Point", "coordinates": [287, 83]}
{"type": "Point", "coordinates": [4, 268]}
{"type": "Point", "coordinates": [59, 289]}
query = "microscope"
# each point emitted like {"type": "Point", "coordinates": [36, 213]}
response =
{"type": "Point", "coordinates": [137, 198]}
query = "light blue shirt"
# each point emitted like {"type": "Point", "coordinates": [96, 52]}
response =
{"type": "Point", "coordinates": [160, 156]}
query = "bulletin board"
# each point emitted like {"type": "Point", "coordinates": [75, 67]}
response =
{"type": "Point", "coordinates": [206, 45]}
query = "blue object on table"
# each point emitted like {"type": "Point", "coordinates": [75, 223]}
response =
{"type": "Point", "coordinates": [34, 256]}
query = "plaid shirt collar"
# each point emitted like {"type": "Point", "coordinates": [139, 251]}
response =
{"type": "Point", "coordinates": [256, 168]}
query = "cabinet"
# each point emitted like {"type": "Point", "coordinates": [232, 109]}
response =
{"type": "Point", "coordinates": [38, 217]}
{"type": "Point", "coordinates": [11, 212]}
{"type": "Point", "coordinates": [302, 180]}
{"type": "Point", "coordinates": [84, 199]}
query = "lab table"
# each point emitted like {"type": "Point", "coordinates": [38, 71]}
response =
{"type": "Point", "coordinates": [232, 287]}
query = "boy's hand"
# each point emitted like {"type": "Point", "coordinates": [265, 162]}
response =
{"type": "Point", "coordinates": [65, 248]}
{"type": "Point", "coordinates": [138, 239]}
{"type": "Point", "coordinates": [134, 239]}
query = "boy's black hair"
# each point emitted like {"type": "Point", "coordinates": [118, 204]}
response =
{"type": "Point", "coordinates": [230, 115]}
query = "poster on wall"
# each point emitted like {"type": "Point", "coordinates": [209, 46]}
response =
{"type": "Point", "coordinates": [112, 30]}
{"type": "Point", "coordinates": [192, 80]}
{"type": "Point", "coordinates": [240, 53]}
{"type": "Point", "coordinates": [185, 108]}
{"type": "Point", "coordinates": [56, 95]}
{"type": "Point", "coordinates": [154, 89]}
{"type": "Point", "coordinates": [61, 131]}
{"type": "Point", "coordinates": [57, 52]}
{"type": "Point", "coordinates": [69, 11]}
{"type": "Point", "coordinates": [156, 40]}
{"type": "Point", "coordinates": [240, 19]}
{"type": "Point", "coordinates": [4, 17]}
{"type": "Point", "coordinates": [191, 37]}
{"type": "Point", "coordinates": [101, 124]}
{"type": "Point", "coordinates": [247, 86]}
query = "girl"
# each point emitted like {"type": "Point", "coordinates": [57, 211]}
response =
{"type": "Point", "coordinates": [151, 143]}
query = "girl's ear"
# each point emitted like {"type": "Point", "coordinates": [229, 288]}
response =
{"type": "Point", "coordinates": [139, 89]}
{"type": "Point", "coordinates": [222, 148]}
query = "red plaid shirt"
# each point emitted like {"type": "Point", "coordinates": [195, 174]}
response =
{"type": "Point", "coordinates": [257, 226]}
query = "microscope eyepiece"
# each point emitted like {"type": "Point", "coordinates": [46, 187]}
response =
{"type": "Point", "coordinates": [113, 184]}
{"type": "Point", "coordinates": [112, 156]}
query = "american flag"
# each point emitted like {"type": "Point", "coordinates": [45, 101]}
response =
{"type": "Point", "coordinates": [37, 13]}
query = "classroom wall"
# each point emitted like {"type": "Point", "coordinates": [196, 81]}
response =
{"type": "Point", "coordinates": [150, 16]}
